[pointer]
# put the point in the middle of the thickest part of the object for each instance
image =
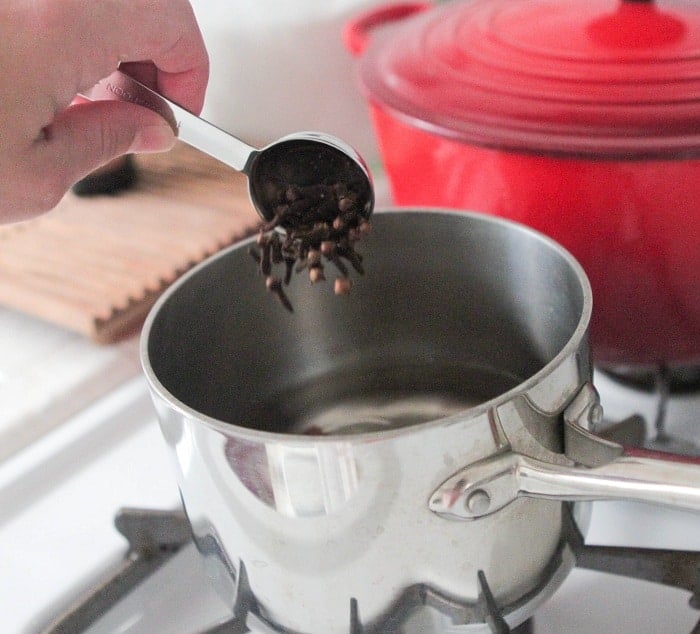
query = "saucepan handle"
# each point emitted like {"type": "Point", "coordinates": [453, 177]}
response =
{"type": "Point", "coordinates": [487, 486]}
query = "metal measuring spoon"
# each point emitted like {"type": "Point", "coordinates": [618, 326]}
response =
{"type": "Point", "coordinates": [302, 159]}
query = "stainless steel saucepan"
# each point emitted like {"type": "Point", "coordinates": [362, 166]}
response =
{"type": "Point", "coordinates": [426, 429]}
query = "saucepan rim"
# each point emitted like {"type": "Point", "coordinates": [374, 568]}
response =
{"type": "Point", "coordinates": [571, 346]}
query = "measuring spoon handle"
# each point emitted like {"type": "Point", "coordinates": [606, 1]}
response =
{"type": "Point", "coordinates": [189, 128]}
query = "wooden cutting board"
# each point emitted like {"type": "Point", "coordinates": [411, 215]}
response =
{"type": "Point", "coordinates": [95, 265]}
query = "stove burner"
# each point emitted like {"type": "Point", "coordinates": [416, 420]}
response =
{"type": "Point", "coordinates": [247, 616]}
{"type": "Point", "coordinates": [665, 383]}
{"type": "Point", "coordinates": [671, 380]}
{"type": "Point", "coordinates": [155, 536]}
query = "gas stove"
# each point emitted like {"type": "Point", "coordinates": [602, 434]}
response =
{"type": "Point", "coordinates": [92, 538]}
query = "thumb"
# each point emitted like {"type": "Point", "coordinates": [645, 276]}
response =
{"type": "Point", "coordinates": [88, 135]}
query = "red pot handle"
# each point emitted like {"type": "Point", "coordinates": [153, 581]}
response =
{"type": "Point", "coordinates": [356, 33]}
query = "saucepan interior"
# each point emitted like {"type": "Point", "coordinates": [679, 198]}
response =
{"type": "Point", "coordinates": [455, 309]}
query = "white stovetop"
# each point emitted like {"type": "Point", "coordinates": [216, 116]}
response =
{"type": "Point", "coordinates": [96, 447]}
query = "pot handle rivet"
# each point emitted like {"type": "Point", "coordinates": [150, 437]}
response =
{"type": "Point", "coordinates": [478, 502]}
{"type": "Point", "coordinates": [595, 415]}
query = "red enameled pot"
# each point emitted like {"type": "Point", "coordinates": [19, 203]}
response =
{"type": "Point", "coordinates": [578, 118]}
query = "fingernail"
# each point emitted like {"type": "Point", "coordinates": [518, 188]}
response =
{"type": "Point", "coordinates": [153, 138]}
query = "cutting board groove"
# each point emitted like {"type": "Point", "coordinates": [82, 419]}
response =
{"type": "Point", "coordinates": [96, 265]}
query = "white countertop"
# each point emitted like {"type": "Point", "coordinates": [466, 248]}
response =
{"type": "Point", "coordinates": [47, 374]}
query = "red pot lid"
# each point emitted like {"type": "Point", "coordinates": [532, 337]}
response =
{"type": "Point", "coordinates": [610, 78]}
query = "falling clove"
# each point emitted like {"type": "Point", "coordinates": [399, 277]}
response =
{"type": "Point", "coordinates": [322, 224]}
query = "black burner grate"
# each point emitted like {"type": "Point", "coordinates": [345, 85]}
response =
{"type": "Point", "coordinates": [155, 536]}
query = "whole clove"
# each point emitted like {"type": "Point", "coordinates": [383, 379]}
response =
{"type": "Point", "coordinates": [274, 285]}
{"type": "Point", "coordinates": [316, 274]}
{"type": "Point", "coordinates": [339, 264]}
{"type": "Point", "coordinates": [342, 285]}
{"type": "Point", "coordinates": [323, 222]}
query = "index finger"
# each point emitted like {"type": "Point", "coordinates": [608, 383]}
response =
{"type": "Point", "coordinates": [102, 34]}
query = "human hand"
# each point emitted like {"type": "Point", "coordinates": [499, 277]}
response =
{"type": "Point", "coordinates": [51, 51]}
